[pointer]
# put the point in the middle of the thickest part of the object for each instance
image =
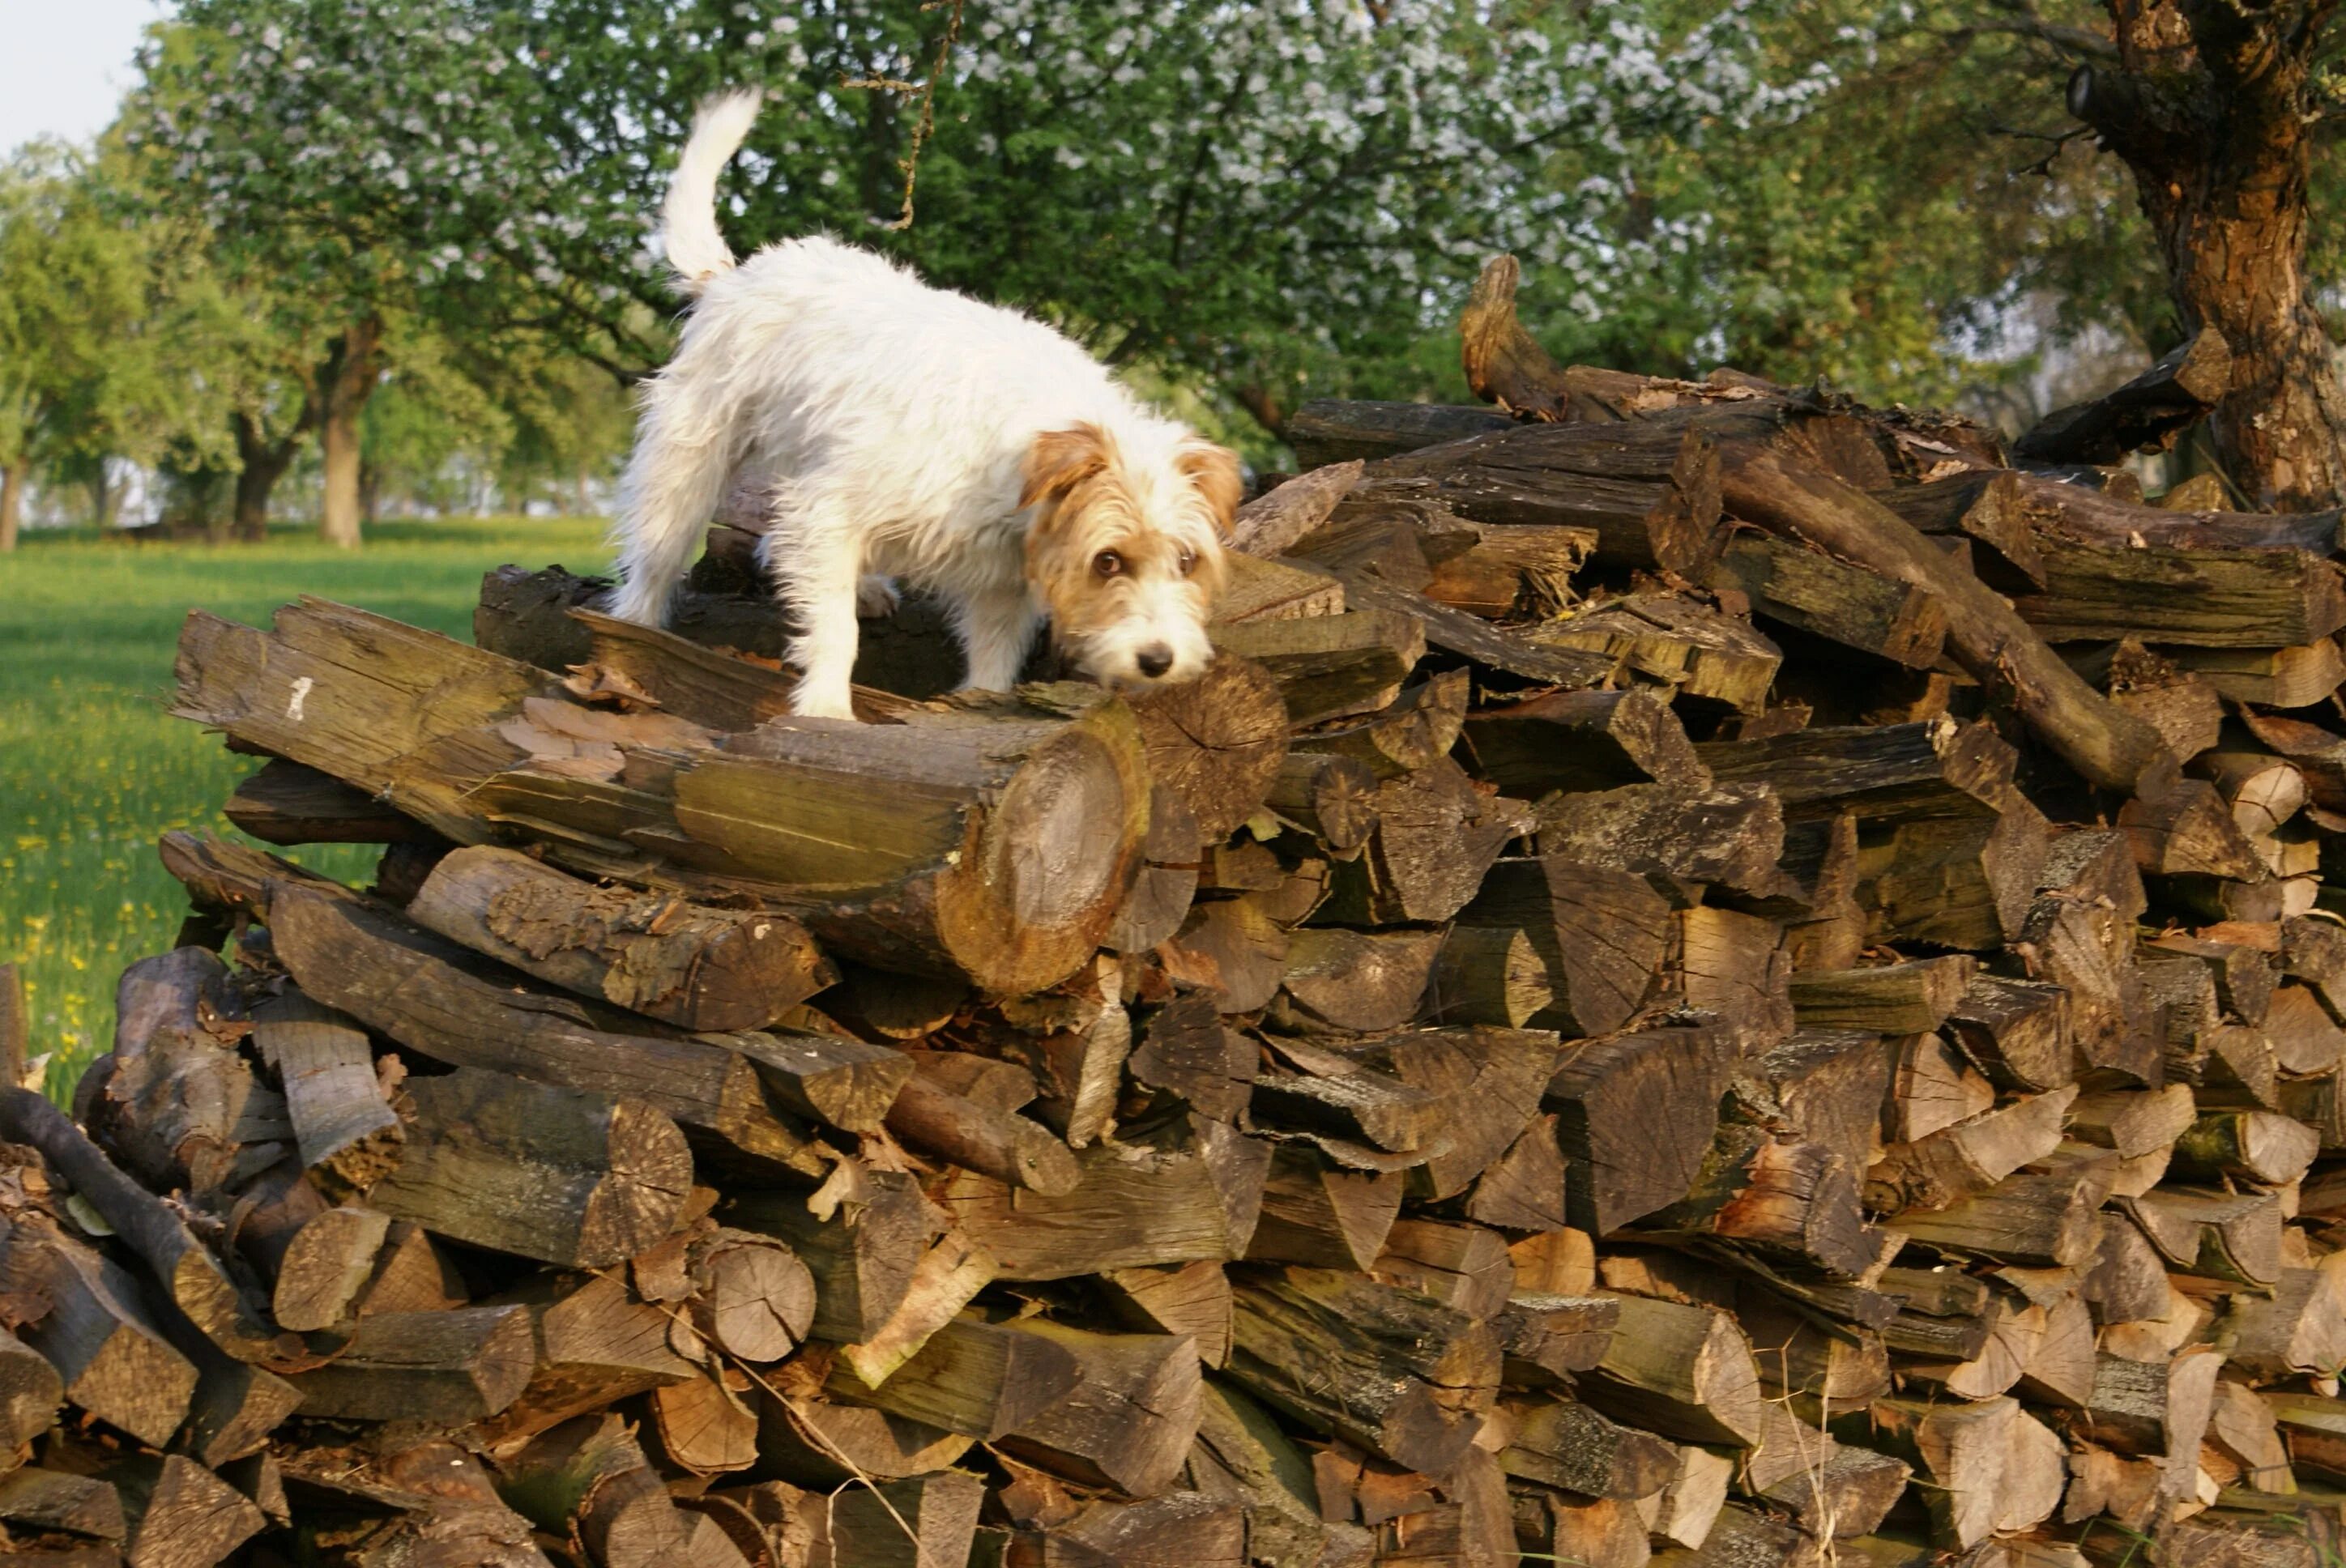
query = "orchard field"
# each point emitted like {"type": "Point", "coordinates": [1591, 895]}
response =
{"type": "Point", "coordinates": [92, 770]}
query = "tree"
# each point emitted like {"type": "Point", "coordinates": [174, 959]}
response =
{"type": "Point", "coordinates": [74, 307]}
{"type": "Point", "coordinates": [364, 162]}
{"type": "Point", "coordinates": [1237, 196]}
{"type": "Point", "coordinates": [2214, 106]}
{"type": "Point", "coordinates": [1977, 121]}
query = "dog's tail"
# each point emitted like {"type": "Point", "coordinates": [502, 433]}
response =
{"type": "Point", "coordinates": [695, 249]}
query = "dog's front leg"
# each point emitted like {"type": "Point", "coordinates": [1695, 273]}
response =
{"type": "Point", "coordinates": [818, 577]}
{"type": "Point", "coordinates": [996, 630]}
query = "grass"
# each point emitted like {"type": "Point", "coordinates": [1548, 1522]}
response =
{"type": "Point", "coordinates": [92, 771]}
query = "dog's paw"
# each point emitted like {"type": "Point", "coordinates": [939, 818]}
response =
{"type": "Point", "coordinates": [876, 597]}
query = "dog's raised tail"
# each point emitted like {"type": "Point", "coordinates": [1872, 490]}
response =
{"type": "Point", "coordinates": [689, 217]}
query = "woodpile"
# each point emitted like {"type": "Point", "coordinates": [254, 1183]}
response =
{"type": "Point", "coordinates": [1716, 976]}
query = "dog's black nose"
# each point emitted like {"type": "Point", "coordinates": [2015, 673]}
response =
{"type": "Point", "coordinates": [1153, 660]}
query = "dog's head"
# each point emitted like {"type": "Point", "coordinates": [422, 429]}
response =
{"type": "Point", "coordinates": [1126, 547]}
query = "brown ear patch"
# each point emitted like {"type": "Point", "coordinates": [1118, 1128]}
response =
{"type": "Point", "coordinates": [1061, 459]}
{"type": "Point", "coordinates": [1215, 471]}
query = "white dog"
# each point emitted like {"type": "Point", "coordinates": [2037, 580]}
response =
{"type": "Point", "coordinates": [917, 435]}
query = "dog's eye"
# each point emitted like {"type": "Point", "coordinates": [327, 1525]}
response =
{"type": "Point", "coordinates": [1189, 562]}
{"type": "Point", "coordinates": [1108, 563]}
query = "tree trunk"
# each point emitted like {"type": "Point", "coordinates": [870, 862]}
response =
{"type": "Point", "coordinates": [101, 496]}
{"type": "Point", "coordinates": [2211, 108]}
{"type": "Point", "coordinates": [348, 381]}
{"type": "Point", "coordinates": [14, 476]}
{"type": "Point", "coordinates": [264, 462]}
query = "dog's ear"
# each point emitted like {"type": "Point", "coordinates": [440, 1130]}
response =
{"type": "Point", "coordinates": [1061, 459]}
{"type": "Point", "coordinates": [1214, 469]}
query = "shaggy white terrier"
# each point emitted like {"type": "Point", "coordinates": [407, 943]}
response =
{"type": "Point", "coordinates": [913, 435]}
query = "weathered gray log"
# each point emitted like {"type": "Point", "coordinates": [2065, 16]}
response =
{"type": "Point", "coordinates": [569, 1177]}
{"type": "Point", "coordinates": [687, 964]}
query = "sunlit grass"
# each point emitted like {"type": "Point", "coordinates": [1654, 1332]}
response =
{"type": "Point", "coordinates": [92, 771]}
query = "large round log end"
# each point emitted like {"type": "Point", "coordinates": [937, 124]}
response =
{"type": "Point", "coordinates": [1047, 865]}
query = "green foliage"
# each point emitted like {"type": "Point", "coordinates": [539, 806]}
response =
{"type": "Point", "coordinates": [1237, 194]}
{"type": "Point", "coordinates": [78, 362]}
{"type": "Point", "coordinates": [91, 768]}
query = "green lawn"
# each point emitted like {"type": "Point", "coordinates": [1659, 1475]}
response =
{"type": "Point", "coordinates": [91, 769]}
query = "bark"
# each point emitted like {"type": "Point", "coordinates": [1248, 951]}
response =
{"type": "Point", "coordinates": [2212, 108]}
{"type": "Point", "coordinates": [264, 461]}
{"type": "Point", "coordinates": [349, 380]}
{"type": "Point", "coordinates": [13, 478]}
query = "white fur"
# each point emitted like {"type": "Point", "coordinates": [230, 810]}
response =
{"type": "Point", "coordinates": [894, 422]}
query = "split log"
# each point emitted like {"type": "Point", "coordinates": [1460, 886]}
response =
{"type": "Point", "coordinates": [54, 1499]}
{"type": "Point", "coordinates": [345, 1130]}
{"type": "Point", "coordinates": [1130, 1420]}
{"type": "Point", "coordinates": [454, 1367]}
{"type": "Point", "coordinates": [1387, 1369]}
{"type": "Point", "coordinates": [192, 1278]}
{"type": "Point", "coordinates": [1333, 431]}
{"type": "Point", "coordinates": [1983, 506]}
{"type": "Point", "coordinates": [2196, 598]}
{"type": "Point", "coordinates": [1331, 667]}
{"type": "Point", "coordinates": [1810, 591]}
{"type": "Point", "coordinates": [315, 1256]}
{"type": "Point", "coordinates": [1332, 798]}
{"type": "Point", "coordinates": [1464, 1266]}
{"type": "Point", "coordinates": [175, 1102]}
{"type": "Point", "coordinates": [2149, 412]}
{"type": "Point", "coordinates": [982, 1379]}
{"type": "Point", "coordinates": [1650, 492]}
{"type": "Point", "coordinates": [2045, 1222]}
{"type": "Point", "coordinates": [1912, 998]}
{"type": "Point", "coordinates": [597, 1344]}
{"type": "Point", "coordinates": [1180, 1527]}
{"type": "Point", "coordinates": [2017, 1032]}
{"type": "Point", "coordinates": [2256, 1145]}
{"type": "Point", "coordinates": [1318, 1214]}
{"type": "Point", "coordinates": [1994, 644]}
{"type": "Point", "coordinates": [1636, 1114]}
{"type": "Point", "coordinates": [568, 1176]}
{"type": "Point", "coordinates": [1732, 835]}
{"type": "Point", "coordinates": [1552, 942]}
{"type": "Point", "coordinates": [1436, 835]}
{"type": "Point", "coordinates": [1583, 740]}
{"type": "Point", "coordinates": [1571, 1447]}
{"type": "Point", "coordinates": [2271, 677]}
{"type": "Point", "coordinates": [1682, 1371]}
{"type": "Point", "coordinates": [1009, 1148]}
{"type": "Point", "coordinates": [686, 964]}
{"type": "Point", "coordinates": [751, 1297]}
{"type": "Point", "coordinates": [2224, 1235]}
{"type": "Point", "coordinates": [112, 1358]}
{"type": "Point", "coordinates": [1356, 981]}
{"type": "Point", "coordinates": [286, 803]}
{"type": "Point", "coordinates": [1136, 1206]}
{"type": "Point", "coordinates": [177, 1514]}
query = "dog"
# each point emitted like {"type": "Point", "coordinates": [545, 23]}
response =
{"type": "Point", "coordinates": [916, 435]}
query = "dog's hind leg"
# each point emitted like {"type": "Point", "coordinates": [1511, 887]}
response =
{"type": "Point", "coordinates": [996, 630]}
{"type": "Point", "coordinates": [817, 568]}
{"type": "Point", "coordinates": [675, 478]}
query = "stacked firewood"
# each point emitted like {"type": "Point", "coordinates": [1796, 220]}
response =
{"type": "Point", "coordinates": [1715, 975]}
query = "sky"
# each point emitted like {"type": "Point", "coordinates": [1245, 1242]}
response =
{"type": "Point", "coordinates": [65, 65]}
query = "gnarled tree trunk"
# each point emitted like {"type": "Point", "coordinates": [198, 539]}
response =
{"type": "Point", "coordinates": [2209, 106]}
{"type": "Point", "coordinates": [264, 462]}
{"type": "Point", "coordinates": [347, 383]}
